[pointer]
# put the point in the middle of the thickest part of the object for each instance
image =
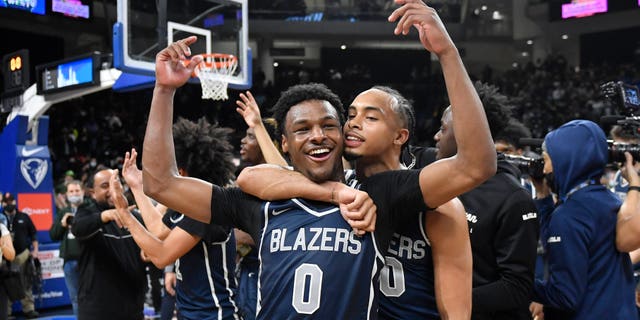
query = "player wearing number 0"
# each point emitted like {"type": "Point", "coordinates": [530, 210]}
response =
{"type": "Point", "coordinates": [314, 142]}
{"type": "Point", "coordinates": [379, 124]}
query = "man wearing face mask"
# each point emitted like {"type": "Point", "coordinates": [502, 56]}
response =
{"type": "Point", "coordinates": [61, 230]}
{"type": "Point", "coordinates": [588, 278]}
{"type": "Point", "coordinates": [24, 236]}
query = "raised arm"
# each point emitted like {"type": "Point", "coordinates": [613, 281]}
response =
{"type": "Point", "coordinates": [161, 180]}
{"type": "Point", "coordinates": [150, 215]}
{"type": "Point", "coordinates": [249, 110]}
{"type": "Point", "coordinates": [452, 260]}
{"type": "Point", "coordinates": [628, 224]}
{"type": "Point", "coordinates": [161, 253]}
{"type": "Point", "coordinates": [476, 158]}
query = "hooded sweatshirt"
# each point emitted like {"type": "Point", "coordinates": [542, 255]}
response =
{"type": "Point", "coordinates": [587, 277]}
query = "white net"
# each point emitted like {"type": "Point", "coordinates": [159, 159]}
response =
{"type": "Point", "coordinates": [211, 72]}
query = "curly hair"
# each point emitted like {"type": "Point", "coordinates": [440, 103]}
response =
{"type": "Point", "coordinates": [512, 133]}
{"type": "Point", "coordinates": [304, 92]}
{"type": "Point", "coordinates": [203, 150]}
{"type": "Point", "coordinates": [497, 107]}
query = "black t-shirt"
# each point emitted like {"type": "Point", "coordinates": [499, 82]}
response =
{"type": "Point", "coordinates": [300, 240]}
{"type": "Point", "coordinates": [396, 193]}
{"type": "Point", "coordinates": [207, 233]}
{"type": "Point", "coordinates": [23, 231]}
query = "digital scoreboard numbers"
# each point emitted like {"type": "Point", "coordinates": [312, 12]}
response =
{"type": "Point", "coordinates": [15, 68]}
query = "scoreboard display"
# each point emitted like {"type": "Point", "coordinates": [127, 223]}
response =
{"type": "Point", "coordinates": [15, 69]}
{"type": "Point", "coordinates": [69, 74]}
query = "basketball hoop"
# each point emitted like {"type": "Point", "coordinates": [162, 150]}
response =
{"type": "Point", "coordinates": [212, 71]}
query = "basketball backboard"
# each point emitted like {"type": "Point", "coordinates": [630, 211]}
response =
{"type": "Point", "coordinates": [145, 27]}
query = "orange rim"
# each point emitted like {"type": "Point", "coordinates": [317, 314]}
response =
{"type": "Point", "coordinates": [220, 60]}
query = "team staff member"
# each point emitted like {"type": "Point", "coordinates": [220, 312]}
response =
{"type": "Point", "coordinates": [112, 281]}
{"type": "Point", "coordinates": [24, 237]}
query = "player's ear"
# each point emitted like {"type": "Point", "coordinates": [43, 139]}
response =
{"type": "Point", "coordinates": [285, 145]}
{"type": "Point", "coordinates": [402, 136]}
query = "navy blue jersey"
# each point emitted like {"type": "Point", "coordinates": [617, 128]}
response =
{"type": "Point", "coordinates": [205, 274]}
{"type": "Point", "coordinates": [312, 264]}
{"type": "Point", "coordinates": [407, 275]}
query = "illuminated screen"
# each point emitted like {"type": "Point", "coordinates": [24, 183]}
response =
{"type": "Point", "coordinates": [68, 75]}
{"type": "Point", "coordinates": [71, 8]}
{"type": "Point", "coordinates": [583, 8]}
{"type": "Point", "coordinates": [33, 6]}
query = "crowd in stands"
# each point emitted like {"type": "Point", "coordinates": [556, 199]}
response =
{"type": "Point", "coordinates": [95, 130]}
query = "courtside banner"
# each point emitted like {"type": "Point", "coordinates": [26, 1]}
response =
{"type": "Point", "coordinates": [39, 208]}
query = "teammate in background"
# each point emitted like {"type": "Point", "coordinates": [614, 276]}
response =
{"type": "Point", "coordinates": [69, 246]}
{"type": "Point", "coordinates": [204, 255]}
{"type": "Point", "coordinates": [502, 222]}
{"type": "Point", "coordinates": [259, 132]}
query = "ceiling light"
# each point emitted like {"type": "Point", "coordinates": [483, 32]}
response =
{"type": "Point", "coordinates": [565, 36]}
{"type": "Point", "coordinates": [343, 47]}
{"type": "Point", "coordinates": [275, 64]}
{"type": "Point", "coordinates": [529, 42]}
{"type": "Point", "coordinates": [484, 7]}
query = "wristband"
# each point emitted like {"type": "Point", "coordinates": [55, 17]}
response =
{"type": "Point", "coordinates": [636, 188]}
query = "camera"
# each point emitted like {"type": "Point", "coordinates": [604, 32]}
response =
{"type": "Point", "coordinates": [625, 97]}
{"type": "Point", "coordinates": [530, 166]}
{"type": "Point", "coordinates": [70, 220]}
{"type": "Point", "coordinates": [617, 150]}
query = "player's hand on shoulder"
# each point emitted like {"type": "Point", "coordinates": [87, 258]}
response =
{"type": "Point", "coordinates": [358, 209]}
{"type": "Point", "coordinates": [173, 68]}
{"type": "Point", "coordinates": [433, 35]}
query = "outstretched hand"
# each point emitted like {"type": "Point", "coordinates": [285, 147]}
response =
{"type": "Point", "coordinates": [433, 34]}
{"type": "Point", "coordinates": [171, 70]}
{"type": "Point", "coordinates": [358, 209]}
{"type": "Point", "coordinates": [248, 109]}
{"type": "Point", "coordinates": [130, 171]}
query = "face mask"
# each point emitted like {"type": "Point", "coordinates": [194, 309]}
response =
{"type": "Point", "coordinates": [93, 164]}
{"type": "Point", "coordinates": [75, 199]}
{"type": "Point", "coordinates": [551, 182]}
{"type": "Point", "coordinates": [10, 208]}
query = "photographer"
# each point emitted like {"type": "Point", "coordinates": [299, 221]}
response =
{"type": "Point", "coordinates": [69, 247]}
{"type": "Point", "coordinates": [588, 278]}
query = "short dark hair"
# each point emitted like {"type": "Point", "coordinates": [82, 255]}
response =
{"type": "Point", "coordinates": [497, 107]}
{"type": "Point", "coordinates": [512, 133]}
{"type": "Point", "coordinates": [304, 92]}
{"type": "Point", "coordinates": [204, 150]}
{"type": "Point", "coordinates": [401, 106]}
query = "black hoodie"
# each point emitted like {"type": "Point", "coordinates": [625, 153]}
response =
{"type": "Point", "coordinates": [503, 226]}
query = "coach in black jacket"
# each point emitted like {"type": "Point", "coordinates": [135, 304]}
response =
{"type": "Point", "coordinates": [112, 280]}
{"type": "Point", "coordinates": [503, 225]}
